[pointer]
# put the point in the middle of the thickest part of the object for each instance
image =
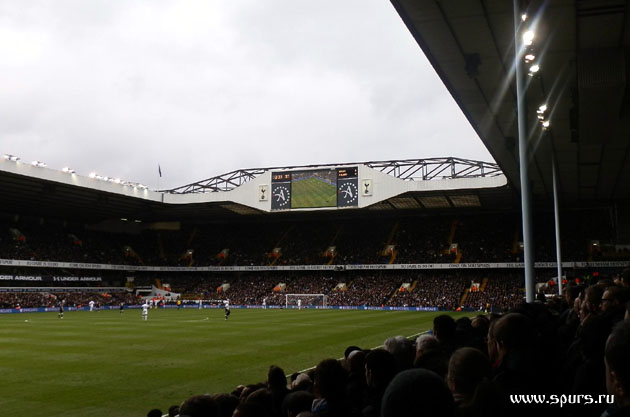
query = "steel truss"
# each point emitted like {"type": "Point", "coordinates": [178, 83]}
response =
{"type": "Point", "coordinates": [406, 169]}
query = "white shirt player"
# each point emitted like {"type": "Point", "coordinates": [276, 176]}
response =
{"type": "Point", "coordinates": [145, 310]}
{"type": "Point", "coordinates": [265, 302]}
{"type": "Point", "coordinates": [226, 304]}
{"type": "Point", "coordinates": [91, 303]}
{"type": "Point", "coordinates": [299, 304]}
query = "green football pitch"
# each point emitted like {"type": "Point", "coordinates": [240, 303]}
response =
{"type": "Point", "coordinates": [105, 363]}
{"type": "Point", "coordinates": [313, 192]}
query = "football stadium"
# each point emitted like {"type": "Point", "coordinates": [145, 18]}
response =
{"type": "Point", "coordinates": [430, 286]}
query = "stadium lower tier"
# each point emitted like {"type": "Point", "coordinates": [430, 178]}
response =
{"type": "Point", "coordinates": [442, 290]}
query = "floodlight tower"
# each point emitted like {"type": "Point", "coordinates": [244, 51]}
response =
{"type": "Point", "coordinates": [521, 108]}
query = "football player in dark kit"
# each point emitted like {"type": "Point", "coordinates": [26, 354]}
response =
{"type": "Point", "coordinates": [61, 309]}
{"type": "Point", "coordinates": [122, 306]}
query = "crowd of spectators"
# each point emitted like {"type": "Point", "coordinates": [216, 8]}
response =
{"type": "Point", "coordinates": [69, 299]}
{"type": "Point", "coordinates": [479, 290]}
{"type": "Point", "coordinates": [416, 239]}
{"type": "Point", "coordinates": [573, 350]}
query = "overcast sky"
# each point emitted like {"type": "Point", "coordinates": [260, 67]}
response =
{"type": "Point", "coordinates": [207, 87]}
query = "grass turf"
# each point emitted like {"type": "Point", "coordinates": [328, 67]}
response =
{"type": "Point", "coordinates": [313, 192]}
{"type": "Point", "coordinates": [107, 364]}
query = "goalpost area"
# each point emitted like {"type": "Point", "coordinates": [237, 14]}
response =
{"type": "Point", "coordinates": [305, 300]}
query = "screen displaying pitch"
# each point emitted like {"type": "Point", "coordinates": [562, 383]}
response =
{"type": "Point", "coordinates": [313, 189]}
{"type": "Point", "coordinates": [316, 188]}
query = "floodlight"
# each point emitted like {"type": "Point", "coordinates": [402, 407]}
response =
{"type": "Point", "coordinates": [542, 109]}
{"type": "Point", "coordinates": [68, 170]}
{"type": "Point", "coordinates": [92, 175]}
{"type": "Point", "coordinates": [528, 37]}
{"type": "Point", "coordinates": [38, 164]}
{"type": "Point", "coordinates": [11, 157]}
{"type": "Point", "coordinates": [529, 58]}
{"type": "Point", "coordinates": [546, 124]}
{"type": "Point", "coordinates": [534, 69]}
{"type": "Point", "coordinates": [524, 17]}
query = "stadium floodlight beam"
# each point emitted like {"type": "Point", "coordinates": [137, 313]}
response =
{"type": "Point", "coordinates": [92, 175]}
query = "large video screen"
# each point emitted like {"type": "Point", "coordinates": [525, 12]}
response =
{"type": "Point", "coordinates": [337, 187]}
{"type": "Point", "coordinates": [312, 189]}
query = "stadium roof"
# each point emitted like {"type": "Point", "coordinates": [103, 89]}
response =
{"type": "Point", "coordinates": [581, 47]}
{"type": "Point", "coordinates": [430, 184]}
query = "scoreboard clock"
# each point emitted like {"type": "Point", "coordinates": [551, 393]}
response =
{"type": "Point", "coordinates": [347, 187]}
{"type": "Point", "coordinates": [280, 191]}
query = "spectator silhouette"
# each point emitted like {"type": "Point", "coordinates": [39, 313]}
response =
{"type": "Point", "coordinates": [469, 374]}
{"type": "Point", "coordinates": [380, 369]}
{"type": "Point", "coordinates": [417, 392]}
{"type": "Point", "coordinates": [199, 406]}
{"type": "Point", "coordinates": [329, 388]}
{"type": "Point", "coordinates": [618, 370]}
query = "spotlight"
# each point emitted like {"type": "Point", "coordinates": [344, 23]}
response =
{"type": "Point", "coordinates": [533, 69]}
{"type": "Point", "coordinates": [528, 37]}
{"type": "Point", "coordinates": [68, 170]}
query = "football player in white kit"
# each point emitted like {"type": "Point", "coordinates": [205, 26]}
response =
{"type": "Point", "coordinates": [91, 303]}
{"type": "Point", "coordinates": [226, 305]}
{"type": "Point", "coordinates": [299, 304]}
{"type": "Point", "coordinates": [145, 310]}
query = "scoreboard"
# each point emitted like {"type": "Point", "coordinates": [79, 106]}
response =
{"type": "Point", "coordinates": [335, 187]}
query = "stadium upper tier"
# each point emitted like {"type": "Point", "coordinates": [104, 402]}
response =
{"type": "Point", "coordinates": [438, 183]}
{"type": "Point", "coordinates": [417, 239]}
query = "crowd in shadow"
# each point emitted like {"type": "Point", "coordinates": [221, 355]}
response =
{"type": "Point", "coordinates": [414, 239]}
